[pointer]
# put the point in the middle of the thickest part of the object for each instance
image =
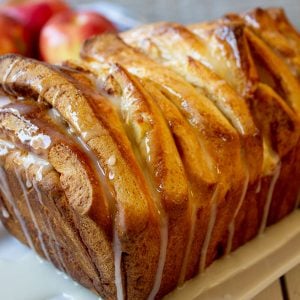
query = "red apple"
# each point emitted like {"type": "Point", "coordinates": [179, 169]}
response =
{"type": "Point", "coordinates": [13, 36]}
{"type": "Point", "coordinates": [63, 35]}
{"type": "Point", "coordinates": [34, 14]}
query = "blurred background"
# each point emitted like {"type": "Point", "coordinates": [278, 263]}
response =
{"type": "Point", "coordinates": [189, 11]}
{"type": "Point", "coordinates": [54, 30]}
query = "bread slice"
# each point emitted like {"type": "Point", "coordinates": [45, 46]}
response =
{"type": "Point", "coordinates": [157, 155]}
{"type": "Point", "coordinates": [175, 46]}
{"type": "Point", "coordinates": [278, 33]}
{"type": "Point", "coordinates": [135, 223]}
{"type": "Point", "coordinates": [202, 115]}
{"type": "Point", "coordinates": [278, 121]}
{"type": "Point", "coordinates": [274, 28]}
{"type": "Point", "coordinates": [225, 48]}
{"type": "Point", "coordinates": [231, 37]}
{"type": "Point", "coordinates": [277, 64]}
{"type": "Point", "coordinates": [32, 182]}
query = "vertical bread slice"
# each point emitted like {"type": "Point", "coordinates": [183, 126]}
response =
{"type": "Point", "coordinates": [228, 41]}
{"type": "Point", "coordinates": [136, 224]}
{"type": "Point", "coordinates": [50, 229]}
{"type": "Point", "coordinates": [175, 46]}
{"type": "Point", "coordinates": [275, 29]}
{"type": "Point", "coordinates": [274, 70]}
{"type": "Point", "coordinates": [147, 130]}
{"type": "Point", "coordinates": [225, 48]}
{"type": "Point", "coordinates": [202, 178]}
{"type": "Point", "coordinates": [202, 115]}
{"type": "Point", "coordinates": [277, 122]}
{"type": "Point", "coordinates": [157, 154]}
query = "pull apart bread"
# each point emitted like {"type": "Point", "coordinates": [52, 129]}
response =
{"type": "Point", "coordinates": [160, 150]}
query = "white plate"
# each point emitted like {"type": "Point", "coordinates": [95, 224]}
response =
{"type": "Point", "coordinates": [242, 275]}
{"type": "Point", "coordinates": [251, 268]}
{"type": "Point", "coordinates": [24, 276]}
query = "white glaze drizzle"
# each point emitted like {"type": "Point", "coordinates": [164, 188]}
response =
{"type": "Point", "coordinates": [162, 257]}
{"type": "Point", "coordinates": [5, 213]}
{"type": "Point", "coordinates": [117, 263]}
{"type": "Point", "coordinates": [231, 227]}
{"type": "Point", "coordinates": [117, 247]}
{"type": "Point", "coordinates": [258, 188]}
{"type": "Point", "coordinates": [31, 159]}
{"type": "Point", "coordinates": [6, 192]}
{"type": "Point", "coordinates": [57, 253]}
{"type": "Point", "coordinates": [111, 160]}
{"type": "Point", "coordinates": [164, 221]}
{"type": "Point", "coordinates": [26, 161]}
{"type": "Point", "coordinates": [211, 224]}
{"type": "Point", "coordinates": [189, 244]}
{"type": "Point", "coordinates": [32, 215]}
{"type": "Point", "coordinates": [269, 198]}
{"type": "Point", "coordinates": [96, 163]}
{"type": "Point", "coordinates": [29, 135]}
{"type": "Point", "coordinates": [56, 118]}
{"type": "Point", "coordinates": [4, 100]}
{"type": "Point", "coordinates": [5, 76]}
{"type": "Point", "coordinates": [5, 147]}
{"type": "Point", "coordinates": [38, 193]}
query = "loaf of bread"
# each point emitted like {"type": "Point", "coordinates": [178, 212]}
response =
{"type": "Point", "coordinates": [159, 151]}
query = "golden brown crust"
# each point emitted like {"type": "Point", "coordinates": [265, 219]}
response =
{"type": "Point", "coordinates": [74, 108]}
{"type": "Point", "coordinates": [274, 28]}
{"type": "Point", "coordinates": [233, 49]}
{"type": "Point", "coordinates": [227, 48]}
{"type": "Point", "coordinates": [27, 125]}
{"type": "Point", "coordinates": [149, 135]}
{"type": "Point", "coordinates": [279, 70]}
{"type": "Point", "coordinates": [200, 112]}
{"type": "Point", "coordinates": [276, 119]}
{"type": "Point", "coordinates": [276, 45]}
{"type": "Point", "coordinates": [135, 231]}
{"type": "Point", "coordinates": [175, 46]}
{"type": "Point", "coordinates": [44, 220]}
{"type": "Point", "coordinates": [202, 179]}
{"type": "Point", "coordinates": [202, 115]}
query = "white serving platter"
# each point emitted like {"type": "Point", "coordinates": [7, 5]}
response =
{"type": "Point", "coordinates": [242, 275]}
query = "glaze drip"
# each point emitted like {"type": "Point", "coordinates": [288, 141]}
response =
{"type": "Point", "coordinates": [274, 179]}
{"type": "Point", "coordinates": [211, 224]}
{"type": "Point", "coordinates": [6, 192]}
{"type": "Point", "coordinates": [231, 227]}
{"type": "Point", "coordinates": [189, 245]}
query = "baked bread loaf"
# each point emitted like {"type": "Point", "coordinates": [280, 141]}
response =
{"type": "Point", "coordinates": [157, 152]}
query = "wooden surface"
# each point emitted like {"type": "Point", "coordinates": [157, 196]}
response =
{"type": "Point", "coordinates": [285, 288]}
{"type": "Point", "coordinates": [293, 283]}
{"type": "Point", "coordinates": [272, 292]}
